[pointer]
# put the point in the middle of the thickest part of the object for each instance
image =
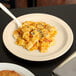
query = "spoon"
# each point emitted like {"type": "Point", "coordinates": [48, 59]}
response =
{"type": "Point", "coordinates": [10, 14]}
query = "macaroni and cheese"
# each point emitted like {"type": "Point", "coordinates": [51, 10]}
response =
{"type": "Point", "coordinates": [35, 36]}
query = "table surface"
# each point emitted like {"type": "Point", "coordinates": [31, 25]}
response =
{"type": "Point", "coordinates": [65, 12]}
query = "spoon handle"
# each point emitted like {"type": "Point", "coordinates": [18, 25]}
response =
{"type": "Point", "coordinates": [9, 13]}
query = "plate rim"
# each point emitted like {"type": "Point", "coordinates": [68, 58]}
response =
{"type": "Point", "coordinates": [69, 46]}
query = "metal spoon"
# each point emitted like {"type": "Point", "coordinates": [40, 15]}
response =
{"type": "Point", "coordinates": [10, 14]}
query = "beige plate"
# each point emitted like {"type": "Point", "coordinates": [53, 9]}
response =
{"type": "Point", "coordinates": [64, 38]}
{"type": "Point", "coordinates": [17, 68]}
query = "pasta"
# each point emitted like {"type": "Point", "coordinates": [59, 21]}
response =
{"type": "Point", "coordinates": [35, 36]}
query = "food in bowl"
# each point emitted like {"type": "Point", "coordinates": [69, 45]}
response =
{"type": "Point", "coordinates": [9, 73]}
{"type": "Point", "coordinates": [35, 36]}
